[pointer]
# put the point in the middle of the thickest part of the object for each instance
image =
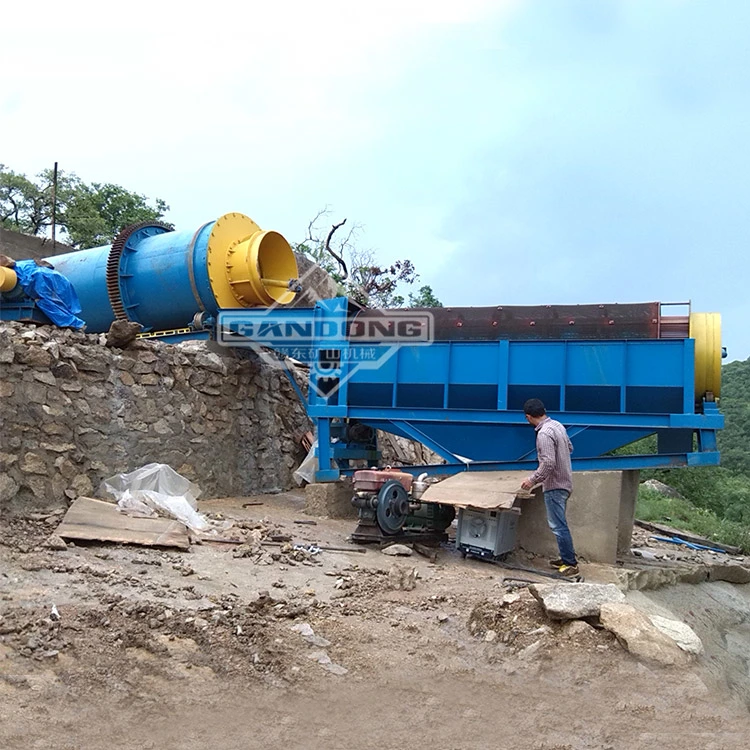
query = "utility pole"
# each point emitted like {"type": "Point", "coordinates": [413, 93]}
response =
{"type": "Point", "coordinates": [54, 202]}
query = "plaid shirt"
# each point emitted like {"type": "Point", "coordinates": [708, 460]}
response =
{"type": "Point", "coordinates": [553, 448]}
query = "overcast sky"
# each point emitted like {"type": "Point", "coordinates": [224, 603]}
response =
{"type": "Point", "coordinates": [518, 151]}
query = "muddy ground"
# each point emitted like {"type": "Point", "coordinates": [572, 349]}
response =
{"type": "Point", "coordinates": [106, 646]}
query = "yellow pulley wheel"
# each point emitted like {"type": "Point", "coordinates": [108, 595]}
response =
{"type": "Point", "coordinates": [248, 267]}
{"type": "Point", "coordinates": [705, 328]}
{"type": "Point", "coordinates": [8, 279]}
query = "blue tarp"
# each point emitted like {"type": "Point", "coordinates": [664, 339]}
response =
{"type": "Point", "coordinates": [52, 292]}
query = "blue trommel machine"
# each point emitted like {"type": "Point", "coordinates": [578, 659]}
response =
{"type": "Point", "coordinates": [454, 379]}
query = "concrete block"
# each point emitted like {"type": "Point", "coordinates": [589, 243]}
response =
{"type": "Point", "coordinates": [628, 496]}
{"type": "Point", "coordinates": [601, 511]}
{"type": "Point", "coordinates": [332, 499]}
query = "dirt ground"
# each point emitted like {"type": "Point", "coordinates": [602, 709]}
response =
{"type": "Point", "coordinates": [227, 646]}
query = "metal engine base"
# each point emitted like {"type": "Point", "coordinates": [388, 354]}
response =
{"type": "Point", "coordinates": [370, 534]}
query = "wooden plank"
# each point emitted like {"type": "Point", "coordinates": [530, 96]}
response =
{"type": "Point", "coordinates": [395, 447]}
{"type": "Point", "coordinates": [306, 440]}
{"type": "Point", "coordinates": [486, 490]}
{"type": "Point", "coordinates": [669, 531]}
{"type": "Point", "coordinates": [96, 520]}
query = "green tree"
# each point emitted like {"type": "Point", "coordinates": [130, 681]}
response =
{"type": "Point", "coordinates": [356, 271]}
{"type": "Point", "coordinates": [424, 298]}
{"type": "Point", "coordinates": [25, 206]}
{"type": "Point", "coordinates": [378, 286]}
{"type": "Point", "coordinates": [723, 490]}
{"type": "Point", "coordinates": [94, 214]}
{"type": "Point", "coordinates": [86, 215]}
{"type": "Point", "coordinates": [734, 439]}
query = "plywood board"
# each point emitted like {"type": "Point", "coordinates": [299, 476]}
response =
{"type": "Point", "coordinates": [96, 520]}
{"type": "Point", "coordinates": [487, 490]}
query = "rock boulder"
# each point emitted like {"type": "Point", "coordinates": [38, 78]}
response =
{"type": "Point", "coordinates": [681, 633]}
{"type": "Point", "coordinates": [640, 636]}
{"type": "Point", "coordinates": [571, 601]}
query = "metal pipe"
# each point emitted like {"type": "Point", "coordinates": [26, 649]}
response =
{"type": "Point", "coordinates": [54, 203]}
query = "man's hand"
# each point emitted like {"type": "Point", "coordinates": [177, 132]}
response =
{"type": "Point", "coordinates": [527, 484]}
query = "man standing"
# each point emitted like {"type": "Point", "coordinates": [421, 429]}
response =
{"type": "Point", "coordinates": [555, 474]}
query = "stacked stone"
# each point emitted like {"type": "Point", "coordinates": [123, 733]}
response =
{"type": "Point", "coordinates": [73, 412]}
{"type": "Point", "coordinates": [399, 451]}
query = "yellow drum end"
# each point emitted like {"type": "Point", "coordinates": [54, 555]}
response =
{"type": "Point", "coordinates": [8, 279]}
{"type": "Point", "coordinates": [249, 267]}
{"type": "Point", "coordinates": [705, 329]}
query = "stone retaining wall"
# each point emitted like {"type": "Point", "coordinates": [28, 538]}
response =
{"type": "Point", "coordinates": [73, 412]}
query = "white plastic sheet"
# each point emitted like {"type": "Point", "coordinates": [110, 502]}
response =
{"type": "Point", "coordinates": [157, 489]}
{"type": "Point", "coordinates": [309, 466]}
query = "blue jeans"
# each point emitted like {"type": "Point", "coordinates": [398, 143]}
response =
{"type": "Point", "coordinates": [556, 501]}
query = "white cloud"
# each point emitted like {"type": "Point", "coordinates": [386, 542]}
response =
{"type": "Point", "coordinates": [152, 78]}
{"type": "Point", "coordinates": [272, 108]}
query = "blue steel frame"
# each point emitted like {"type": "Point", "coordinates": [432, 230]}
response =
{"type": "Point", "coordinates": [463, 399]}
{"type": "Point", "coordinates": [23, 310]}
